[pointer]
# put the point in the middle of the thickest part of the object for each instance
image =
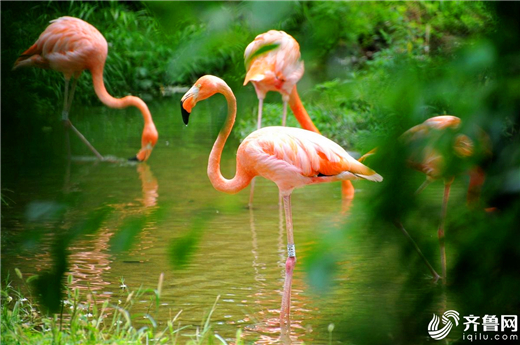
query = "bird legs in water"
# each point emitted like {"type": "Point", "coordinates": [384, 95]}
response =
{"type": "Point", "coordinates": [440, 232]}
{"type": "Point", "coordinates": [289, 264]}
{"type": "Point", "coordinates": [400, 226]}
{"type": "Point", "coordinates": [65, 116]}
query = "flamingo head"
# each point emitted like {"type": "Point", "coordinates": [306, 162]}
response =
{"type": "Point", "coordinates": [148, 141]}
{"type": "Point", "coordinates": [205, 87]}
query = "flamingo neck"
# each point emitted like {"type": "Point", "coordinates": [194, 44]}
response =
{"type": "Point", "coordinates": [119, 103]}
{"type": "Point", "coordinates": [219, 182]}
{"type": "Point", "coordinates": [300, 113]}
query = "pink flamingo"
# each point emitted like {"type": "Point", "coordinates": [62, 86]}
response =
{"type": "Point", "coordinates": [273, 64]}
{"type": "Point", "coordinates": [290, 157]}
{"type": "Point", "coordinates": [431, 162]}
{"type": "Point", "coordinates": [70, 45]}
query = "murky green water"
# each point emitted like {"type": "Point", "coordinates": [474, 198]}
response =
{"type": "Point", "coordinates": [206, 243]}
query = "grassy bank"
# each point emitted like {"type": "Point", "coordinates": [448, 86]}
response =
{"type": "Point", "coordinates": [86, 319]}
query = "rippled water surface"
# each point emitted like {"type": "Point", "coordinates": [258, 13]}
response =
{"type": "Point", "coordinates": [165, 217]}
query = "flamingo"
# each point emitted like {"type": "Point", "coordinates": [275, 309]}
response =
{"type": "Point", "coordinates": [273, 64]}
{"type": "Point", "coordinates": [70, 45]}
{"type": "Point", "coordinates": [290, 157]}
{"type": "Point", "coordinates": [432, 163]}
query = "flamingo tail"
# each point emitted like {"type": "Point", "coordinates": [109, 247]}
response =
{"type": "Point", "coordinates": [31, 58]}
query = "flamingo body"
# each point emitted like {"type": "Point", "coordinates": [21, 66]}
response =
{"type": "Point", "coordinates": [70, 46]}
{"type": "Point", "coordinates": [293, 158]}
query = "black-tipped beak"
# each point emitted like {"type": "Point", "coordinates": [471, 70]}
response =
{"type": "Point", "coordinates": [185, 115]}
{"type": "Point", "coordinates": [133, 159]}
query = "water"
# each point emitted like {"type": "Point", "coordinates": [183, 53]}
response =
{"type": "Point", "coordinates": [165, 217]}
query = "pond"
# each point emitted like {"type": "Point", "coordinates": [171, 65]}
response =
{"type": "Point", "coordinates": [164, 216]}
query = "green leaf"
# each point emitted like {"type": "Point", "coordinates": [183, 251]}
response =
{"type": "Point", "coordinates": [262, 50]}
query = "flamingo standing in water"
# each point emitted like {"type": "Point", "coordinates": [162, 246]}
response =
{"type": "Point", "coordinates": [70, 45]}
{"type": "Point", "coordinates": [431, 162]}
{"type": "Point", "coordinates": [290, 157]}
{"type": "Point", "coordinates": [273, 64]}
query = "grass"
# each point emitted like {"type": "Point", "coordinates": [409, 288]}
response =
{"type": "Point", "coordinates": [86, 320]}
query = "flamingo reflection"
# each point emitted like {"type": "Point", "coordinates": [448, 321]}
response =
{"type": "Point", "coordinates": [90, 257]}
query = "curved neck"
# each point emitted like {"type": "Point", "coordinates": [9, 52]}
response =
{"type": "Point", "coordinates": [241, 179]}
{"type": "Point", "coordinates": [300, 113]}
{"type": "Point", "coordinates": [118, 103]}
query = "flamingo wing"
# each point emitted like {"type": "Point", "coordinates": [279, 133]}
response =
{"type": "Point", "coordinates": [302, 152]}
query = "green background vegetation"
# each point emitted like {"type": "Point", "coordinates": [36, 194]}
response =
{"type": "Point", "coordinates": [373, 70]}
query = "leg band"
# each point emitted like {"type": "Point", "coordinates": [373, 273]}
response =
{"type": "Point", "coordinates": [291, 251]}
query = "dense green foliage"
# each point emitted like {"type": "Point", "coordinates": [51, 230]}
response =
{"type": "Point", "coordinates": [347, 48]}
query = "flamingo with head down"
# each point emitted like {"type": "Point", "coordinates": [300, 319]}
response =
{"type": "Point", "coordinates": [290, 157]}
{"type": "Point", "coordinates": [70, 46]}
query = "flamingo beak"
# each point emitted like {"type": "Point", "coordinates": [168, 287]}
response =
{"type": "Point", "coordinates": [188, 101]}
{"type": "Point", "coordinates": [185, 114]}
{"type": "Point", "coordinates": [143, 154]}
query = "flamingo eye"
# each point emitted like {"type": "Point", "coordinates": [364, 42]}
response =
{"type": "Point", "coordinates": [199, 85]}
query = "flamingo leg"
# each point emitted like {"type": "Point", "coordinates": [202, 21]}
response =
{"type": "Point", "coordinates": [65, 116]}
{"type": "Point", "coordinates": [423, 185]}
{"type": "Point", "coordinates": [65, 112]}
{"type": "Point", "coordinates": [252, 192]}
{"type": "Point", "coordinates": [284, 114]}
{"type": "Point", "coordinates": [433, 272]}
{"type": "Point", "coordinates": [260, 106]}
{"type": "Point", "coordinates": [440, 232]}
{"type": "Point", "coordinates": [258, 126]}
{"type": "Point", "coordinates": [86, 142]}
{"type": "Point", "coordinates": [289, 264]}
{"type": "Point", "coordinates": [66, 185]}
{"type": "Point", "coordinates": [71, 96]}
